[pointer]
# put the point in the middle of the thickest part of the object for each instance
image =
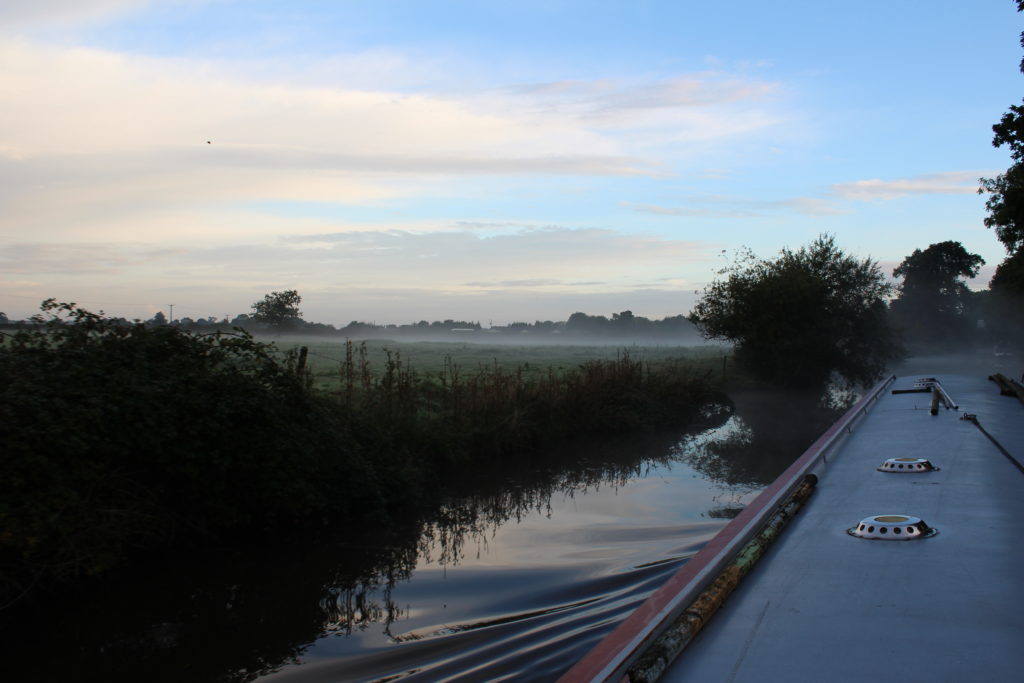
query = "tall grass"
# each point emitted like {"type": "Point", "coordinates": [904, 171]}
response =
{"type": "Point", "coordinates": [493, 409]}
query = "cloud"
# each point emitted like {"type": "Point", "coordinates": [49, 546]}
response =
{"type": "Point", "coordinates": [953, 182]}
{"type": "Point", "coordinates": [700, 90]}
{"type": "Point", "coordinates": [153, 176]}
{"type": "Point", "coordinates": [608, 98]}
{"type": "Point", "coordinates": [695, 110]}
{"type": "Point", "coordinates": [96, 140]}
{"type": "Point", "coordinates": [544, 253]}
{"type": "Point", "coordinates": [447, 258]}
{"type": "Point", "coordinates": [497, 226]}
{"type": "Point", "coordinates": [809, 206]}
{"type": "Point", "coordinates": [514, 284]}
{"type": "Point", "coordinates": [346, 265]}
{"type": "Point", "coordinates": [736, 207]}
{"type": "Point", "coordinates": [22, 12]}
{"type": "Point", "coordinates": [688, 212]}
{"type": "Point", "coordinates": [82, 258]}
{"type": "Point", "coordinates": [87, 131]}
{"type": "Point", "coordinates": [82, 101]}
{"type": "Point", "coordinates": [663, 210]}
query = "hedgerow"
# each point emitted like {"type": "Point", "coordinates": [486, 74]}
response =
{"type": "Point", "coordinates": [118, 438]}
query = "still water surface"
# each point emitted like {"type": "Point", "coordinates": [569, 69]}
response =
{"type": "Point", "coordinates": [514, 583]}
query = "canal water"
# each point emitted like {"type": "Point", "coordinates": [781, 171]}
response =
{"type": "Point", "coordinates": [510, 581]}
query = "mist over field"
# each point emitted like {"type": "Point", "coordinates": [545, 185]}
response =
{"type": "Point", "coordinates": [489, 337]}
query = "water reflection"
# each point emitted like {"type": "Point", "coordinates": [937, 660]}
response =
{"type": "Point", "coordinates": [518, 572]}
{"type": "Point", "coordinates": [758, 443]}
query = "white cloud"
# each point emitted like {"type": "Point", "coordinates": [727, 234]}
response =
{"type": "Point", "coordinates": [21, 12]}
{"type": "Point", "coordinates": [108, 183]}
{"type": "Point", "coordinates": [91, 138]}
{"type": "Point", "coordinates": [693, 109]}
{"type": "Point", "coordinates": [82, 101]}
{"type": "Point", "coordinates": [737, 207]}
{"type": "Point", "coordinates": [953, 182]}
{"type": "Point", "coordinates": [351, 265]}
{"type": "Point", "coordinates": [608, 98]}
{"type": "Point", "coordinates": [809, 206]}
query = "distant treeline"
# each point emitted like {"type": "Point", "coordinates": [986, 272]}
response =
{"type": "Point", "coordinates": [623, 325]}
{"type": "Point", "coordinates": [619, 325]}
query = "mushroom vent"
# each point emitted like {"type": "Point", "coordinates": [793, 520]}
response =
{"type": "Point", "coordinates": [892, 528]}
{"type": "Point", "coordinates": [906, 465]}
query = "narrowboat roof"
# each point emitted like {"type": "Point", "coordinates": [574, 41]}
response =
{"type": "Point", "coordinates": [828, 601]}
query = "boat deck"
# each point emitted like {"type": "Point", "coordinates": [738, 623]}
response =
{"type": "Point", "coordinates": [823, 604]}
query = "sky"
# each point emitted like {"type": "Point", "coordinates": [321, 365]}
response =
{"type": "Point", "coordinates": [402, 160]}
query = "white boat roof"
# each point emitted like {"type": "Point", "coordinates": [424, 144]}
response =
{"type": "Point", "coordinates": [822, 604]}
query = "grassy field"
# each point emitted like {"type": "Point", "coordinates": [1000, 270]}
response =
{"type": "Point", "coordinates": [433, 358]}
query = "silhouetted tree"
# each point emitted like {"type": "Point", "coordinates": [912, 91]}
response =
{"type": "Point", "coordinates": [116, 436]}
{"type": "Point", "coordinates": [1001, 306]}
{"type": "Point", "coordinates": [1006, 204]}
{"type": "Point", "coordinates": [803, 317]}
{"type": "Point", "coordinates": [158, 319]}
{"type": "Point", "coordinates": [278, 309]}
{"type": "Point", "coordinates": [581, 323]}
{"type": "Point", "coordinates": [934, 301]}
{"type": "Point", "coordinates": [1009, 275]}
{"type": "Point", "coordinates": [624, 319]}
{"type": "Point", "coordinates": [1006, 216]}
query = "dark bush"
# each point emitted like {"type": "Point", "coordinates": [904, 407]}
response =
{"type": "Point", "coordinates": [119, 436]}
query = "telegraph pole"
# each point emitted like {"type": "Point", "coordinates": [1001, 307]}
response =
{"type": "Point", "coordinates": [172, 313]}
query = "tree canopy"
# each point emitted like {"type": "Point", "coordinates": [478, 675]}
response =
{"type": "Point", "coordinates": [278, 309]}
{"type": "Point", "coordinates": [936, 275]}
{"type": "Point", "coordinates": [933, 298]}
{"type": "Point", "coordinates": [803, 317]}
{"type": "Point", "coordinates": [1005, 204]}
{"type": "Point", "coordinates": [116, 435]}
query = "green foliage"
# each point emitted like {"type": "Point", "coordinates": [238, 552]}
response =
{"type": "Point", "coordinates": [453, 416]}
{"type": "Point", "coordinates": [933, 300]}
{"type": "Point", "coordinates": [1009, 276]}
{"type": "Point", "coordinates": [121, 437]}
{"type": "Point", "coordinates": [803, 317]}
{"type": "Point", "coordinates": [937, 272]}
{"type": "Point", "coordinates": [278, 309]}
{"type": "Point", "coordinates": [1006, 202]}
{"type": "Point", "coordinates": [1001, 306]}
